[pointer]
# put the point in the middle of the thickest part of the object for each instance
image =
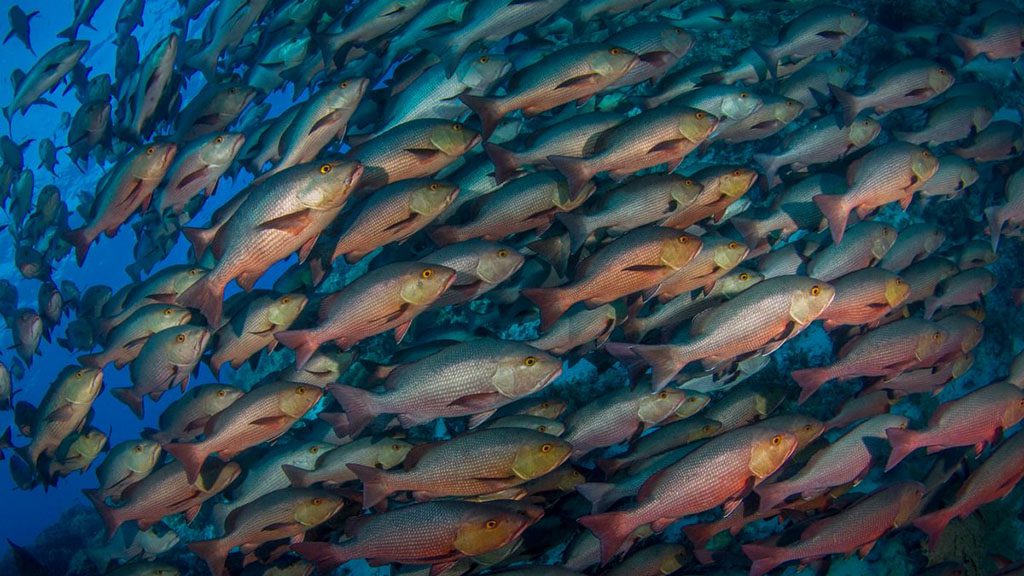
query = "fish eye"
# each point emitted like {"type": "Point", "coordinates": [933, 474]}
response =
{"type": "Point", "coordinates": [138, 448]}
{"type": "Point", "coordinates": [937, 335]}
{"type": "Point", "coordinates": [179, 338]}
{"type": "Point", "coordinates": [434, 186]}
{"type": "Point", "coordinates": [218, 140]}
{"type": "Point", "coordinates": [318, 501]}
{"type": "Point", "coordinates": [300, 390]}
{"type": "Point", "coordinates": [688, 182]}
{"type": "Point", "coordinates": [853, 13]}
{"type": "Point", "coordinates": [491, 524]}
{"type": "Point", "coordinates": [736, 172]}
{"type": "Point", "coordinates": [150, 151]}
{"type": "Point", "coordinates": [457, 127]}
{"type": "Point", "coordinates": [743, 94]}
{"type": "Point", "coordinates": [808, 427]}
{"type": "Point", "coordinates": [168, 312]}
{"type": "Point", "coordinates": [502, 253]}
{"type": "Point", "coordinates": [285, 300]}
{"type": "Point", "coordinates": [744, 277]}
{"type": "Point", "coordinates": [815, 290]}
{"type": "Point", "coordinates": [484, 59]}
{"type": "Point", "coordinates": [545, 405]}
{"type": "Point", "coordinates": [707, 428]}
{"type": "Point", "coordinates": [691, 399]}
{"type": "Point", "coordinates": [221, 393]}
{"type": "Point", "coordinates": [326, 168]}
{"type": "Point", "coordinates": [234, 90]}
{"type": "Point", "coordinates": [776, 440]}
{"type": "Point", "coordinates": [733, 245]}
{"type": "Point", "coordinates": [542, 428]}
{"type": "Point", "coordinates": [615, 51]}
{"type": "Point", "coordinates": [193, 272]}
{"type": "Point", "coordinates": [396, 447]}
{"type": "Point", "coordinates": [683, 239]}
{"type": "Point", "coordinates": [545, 448]}
{"type": "Point", "coordinates": [926, 154]}
{"type": "Point", "coordinates": [344, 84]}
{"type": "Point", "coordinates": [663, 394]}
{"type": "Point", "coordinates": [529, 361]}
{"type": "Point", "coordinates": [942, 72]}
{"type": "Point", "coordinates": [699, 115]}
{"type": "Point", "coordinates": [314, 449]}
{"type": "Point", "coordinates": [426, 274]}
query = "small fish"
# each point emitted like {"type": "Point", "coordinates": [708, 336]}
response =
{"type": "Point", "coordinates": [197, 168]}
{"type": "Point", "coordinates": [19, 22]}
{"type": "Point", "coordinates": [866, 244]}
{"type": "Point", "coordinates": [164, 361]}
{"type": "Point", "coordinates": [908, 83]}
{"type": "Point", "coordinates": [185, 419]}
{"type": "Point", "coordinates": [331, 468]}
{"type": "Point", "coordinates": [1002, 36]}
{"type": "Point", "coordinates": [864, 297]}
{"type": "Point", "coordinates": [253, 329]}
{"type": "Point", "coordinates": [125, 464]}
{"type": "Point", "coordinates": [63, 410]}
{"type": "Point", "coordinates": [44, 75]}
{"type": "Point", "coordinates": [818, 30]}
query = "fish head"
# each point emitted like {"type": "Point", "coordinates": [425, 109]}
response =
{"type": "Point", "coordinates": [864, 131]}
{"type": "Point", "coordinates": [391, 452]}
{"type": "Point", "coordinates": [787, 109]}
{"type": "Point", "coordinates": [234, 99]}
{"type": "Point", "coordinates": [550, 408]}
{"type": "Point", "coordinates": [536, 458]}
{"type": "Point", "coordinates": [285, 309]}
{"type": "Point", "coordinates": [318, 508]}
{"type": "Point", "coordinates": [809, 300]}
{"type": "Point", "coordinates": [497, 264]}
{"type": "Point", "coordinates": [81, 385]}
{"type": "Point", "coordinates": [741, 104]}
{"type": "Point", "coordinates": [221, 149]}
{"type": "Point", "coordinates": [346, 94]}
{"type": "Point", "coordinates": [706, 429]}
{"type": "Point", "coordinates": [805, 428]}
{"type": "Point", "coordinates": [940, 79]}
{"type": "Point", "coordinates": [654, 408]}
{"type": "Point", "coordinates": [852, 23]}
{"type": "Point", "coordinates": [453, 138]}
{"type": "Point", "coordinates": [217, 397]}
{"type": "Point", "coordinates": [923, 165]}
{"type": "Point", "coordinates": [487, 529]}
{"type": "Point", "coordinates": [968, 176]}
{"type": "Point", "coordinates": [295, 401]}
{"type": "Point", "coordinates": [153, 161]}
{"type": "Point", "coordinates": [770, 451]}
{"type": "Point", "coordinates": [896, 291]}
{"type": "Point", "coordinates": [692, 404]}
{"type": "Point", "coordinates": [737, 281]}
{"type": "Point", "coordinates": [962, 364]}
{"type": "Point", "coordinates": [671, 559]}
{"type": "Point", "coordinates": [930, 342]}
{"type": "Point", "coordinates": [481, 72]}
{"type": "Point", "coordinates": [908, 502]}
{"type": "Point", "coordinates": [613, 61]}
{"type": "Point", "coordinates": [935, 238]}
{"type": "Point", "coordinates": [839, 74]}
{"type": "Point", "coordinates": [679, 249]}
{"type": "Point", "coordinates": [522, 373]}
{"type": "Point", "coordinates": [143, 456]}
{"type": "Point", "coordinates": [684, 191]}
{"type": "Point", "coordinates": [431, 197]}
{"type": "Point", "coordinates": [676, 40]}
{"type": "Point", "coordinates": [90, 443]}
{"type": "Point", "coordinates": [883, 241]}
{"type": "Point", "coordinates": [216, 476]}
{"type": "Point", "coordinates": [550, 427]}
{"type": "Point", "coordinates": [329, 184]}
{"type": "Point", "coordinates": [981, 117]}
{"type": "Point", "coordinates": [729, 254]}
{"type": "Point", "coordinates": [425, 284]}
{"type": "Point", "coordinates": [186, 344]}
{"type": "Point", "coordinates": [696, 125]}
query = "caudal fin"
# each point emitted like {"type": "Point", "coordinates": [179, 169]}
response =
{"type": "Point", "coordinates": [903, 443]}
{"type": "Point", "coordinates": [578, 229]}
{"type": "Point", "coordinates": [836, 212]}
{"type": "Point", "coordinates": [769, 166]}
{"type": "Point", "coordinates": [200, 238]}
{"type": "Point", "coordinates": [358, 404]}
{"type": "Point", "coordinates": [612, 530]}
{"type": "Point", "coordinates": [994, 214]}
{"type": "Point", "coordinates": [302, 342]}
{"type": "Point", "coordinates": [446, 49]}
{"type": "Point", "coordinates": [81, 241]}
{"type": "Point", "coordinates": [298, 477]}
{"type": "Point", "coordinates": [931, 306]}
{"type": "Point", "coordinates": [489, 110]}
{"type": "Point", "coordinates": [810, 379]}
{"type": "Point", "coordinates": [701, 533]}
{"type": "Point", "coordinates": [771, 495]}
{"type": "Point", "coordinates": [446, 235]}
{"type": "Point", "coordinates": [375, 484]}
{"type": "Point", "coordinates": [966, 45]}
{"type": "Point", "coordinates": [765, 558]}
{"type": "Point", "coordinates": [326, 556]}
{"type": "Point", "coordinates": [749, 229]}
{"type": "Point", "coordinates": [849, 104]}
{"type": "Point", "coordinates": [108, 514]}
{"type": "Point", "coordinates": [576, 170]}
{"type": "Point", "coordinates": [665, 361]}
{"type": "Point", "coordinates": [191, 455]}
{"type": "Point", "coordinates": [935, 523]}
{"type": "Point", "coordinates": [98, 360]}
{"type": "Point", "coordinates": [205, 297]}
{"type": "Point", "coordinates": [552, 303]}
{"type": "Point", "coordinates": [133, 400]}
{"type": "Point", "coordinates": [213, 553]}
{"type": "Point", "coordinates": [599, 494]}
{"type": "Point", "coordinates": [505, 163]}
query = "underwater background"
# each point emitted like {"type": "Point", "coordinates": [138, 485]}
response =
{"type": "Point", "coordinates": [58, 524]}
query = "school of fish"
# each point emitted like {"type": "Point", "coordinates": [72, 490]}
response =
{"type": "Point", "coordinates": [546, 252]}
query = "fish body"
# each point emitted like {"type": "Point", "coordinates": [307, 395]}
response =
{"type": "Point", "coordinates": [62, 411]}
{"type": "Point", "coordinates": [164, 361]}
{"type": "Point", "coordinates": [185, 419]}
{"type": "Point", "coordinates": [45, 74]}
{"type": "Point", "coordinates": [908, 83]}
{"type": "Point", "coordinates": [197, 168]}
{"type": "Point", "coordinates": [864, 297]}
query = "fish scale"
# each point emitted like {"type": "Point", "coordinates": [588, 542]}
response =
{"type": "Point", "coordinates": [186, 417]}
{"type": "Point", "coordinates": [915, 242]}
{"type": "Point", "coordinates": [577, 136]}
{"type": "Point", "coordinates": [332, 467]}
{"type": "Point", "coordinates": [717, 257]}
{"type": "Point", "coordinates": [863, 297]}
{"type": "Point", "coordinates": [263, 318]}
{"type": "Point", "coordinates": [387, 158]}
{"type": "Point", "coordinates": [617, 417]}
{"type": "Point", "coordinates": [866, 243]}
{"type": "Point", "coordinates": [953, 119]}
{"type": "Point", "coordinates": [843, 461]}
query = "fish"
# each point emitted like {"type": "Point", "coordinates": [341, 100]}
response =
{"type": "Point", "coordinates": [197, 168]}
{"type": "Point", "coordinates": [618, 417]}
{"type": "Point", "coordinates": [63, 410]}
{"type": "Point", "coordinates": [913, 244]}
{"type": "Point", "coordinates": [213, 109]}
{"type": "Point", "coordinates": [20, 23]}
{"type": "Point", "coordinates": [582, 328]}
{"type": "Point", "coordinates": [955, 118]}
{"type": "Point", "coordinates": [866, 245]}
{"type": "Point", "coordinates": [965, 287]}
{"type": "Point", "coordinates": [1009, 212]}
{"type": "Point", "coordinates": [819, 142]}
{"type": "Point", "coordinates": [864, 297]}
{"type": "Point", "coordinates": [909, 83]}
{"type": "Point", "coordinates": [1000, 38]}
{"type": "Point", "coordinates": [782, 307]}
{"type": "Point", "coordinates": [165, 360]}
{"type": "Point", "coordinates": [126, 339]}
{"type": "Point", "coordinates": [261, 415]}
{"type": "Point", "coordinates": [481, 377]}
{"type": "Point", "coordinates": [75, 454]}
{"type": "Point", "coordinates": [186, 418]}
{"type": "Point", "coordinates": [125, 464]}
{"type": "Point", "coordinates": [818, 30]}
{"type": "Point", "coordinates": [253, 329]}
{"type": "Point", "coordinates": [331, 468]}
{"type": "Point", "coordinates": [51, 67]}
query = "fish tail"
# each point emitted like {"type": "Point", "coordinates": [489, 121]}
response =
{"type": "Point", "coordinates": [489, 110]}
{"type": "Point", "coordinates": [445, 235]}
{"type": "Point", "coordinates": [298, 477]}
{"type": "Point", "coordinates": [849, 104]}
{"type": "Point", "coordinates": [131, 399]}
{"type": "Point", "coordinates": [749, 229]}
{"type": "Point", "coordinates": [444, 47]}
{"type": "Point", "coordinates": [219, 513]}
{"type": "Point", "coordinates": [375, 484]}
{"type": "Point", "coordinates": [576, 170]}
{"type": "Point", "coordinates": [810, 379]}
{"type": "Point", "coordinates": [935, 523]}
{"type": "Point", "coordinates": [97, 360]}
{"type": "Point", "coordinates": [200, 238]}
{"type": "Point", "coordinates": [599, 494]}
{"type": "Point", "coordinates": [770, 59]}
{"type": "Point", "coordinates": [206, 297]}
{"type": "Point", "coordinates": [836, 212]}
{"type": "Point", "coordinates": [505, 162]}
{"type": "Point", "coordinates": [931, 306]}
{"type": "Point", "coordinates": [665, 361]}
{"type": "Point", "coordinates": [338, 421]}
{"type": "Point", "coordinates": [612, 529]}
{"type": "Point", "coordinates": [326, 556]}
{"type": "Point", "coordinates": [578, 229]}
{"type": "Point", "coordinates": [212, 552]}
{"type": "Point", "coordinates": [994, 214]}
{"type": "Point", "coordinates": [771, 495]}
{"type": "Point", "coordinates": [81, 241]}
{"type": "Point", "coordinates": [903, 443]}
{"type": "Point", "coordinates": [191, 455]}
{"type": "Point", "coordinates": [205, 61]}
{"type": "Point", "coordinates": [552, 303]}
{"type": "Point", "coordinates": [967, 46]}
{"type": "Point", "coordinates": [359, 404]}
{"type": "Point", "coordinates": [107, 513]}
{"type": "Point", "coordinates": [699, 534]}
{"type": "Point", "coordinates": [610, 465]}
{"type": "Point", "coordinates": [69, 33]}
{"type": "Point", "coordinates": [302, 342]}
{"type": "Point", "coordinates": [765, 558]}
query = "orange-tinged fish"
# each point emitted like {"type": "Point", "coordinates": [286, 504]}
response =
{"type": "Point", "coordinates": [864, 297]}
{"type": "Point", "coordinates": [1002, 36]}
{"type": "Point", "coordinates": [253, 328]}
{"type": "Point", "coordinates": [332, 468]}
{"type": "Point", "coordinates": [717, 257]}
{"type": "Point", "coordinates": [821, 29]}
{"type": "Point", "coordinates": [759, 319]}
{"type": "Point", "coordinates": [583, 328]}
{"type": "Point", "coordinates": [1011, 212]}
{"type": "Point", "coordinates": [819, 142]}
{"type": "Point", "coordinates": [863, 406]}
{"type": "Point", "coordinates": [165, 361]}
{"type": "Point", "coordinates": [975, 419]}
{"type": "Point", "coordinates": [967, 287]}
{"type": "Point", "coordinates": [261, 415]}
{"type": "Point", "coordinates": [889, 173]}
{"type": "Point", "coordinates": [914, 243]}
{"type": "Point", "coordinates": [479, 265]}
{"type": "Point", "coordinates": [639, 260]}
{"type": "Point", "coordinates": [127, 339]}
{"type": "Point", "coordinates": [1001, 140]}
{"type": "Point", "coordinates": [388, 297]}
{"type": "Point", "coordinates": [185, 419]}
{"type": "Point", "coordinates": [909, 83]}
{"type": "Point", "coordinates": [618, 417]}
{"type": "Point", "coordinates": [63, 410]}
{"type": "Point", "coordinates": [866, 244]}
{"type": "Point", "coordinates": [126, 463]}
